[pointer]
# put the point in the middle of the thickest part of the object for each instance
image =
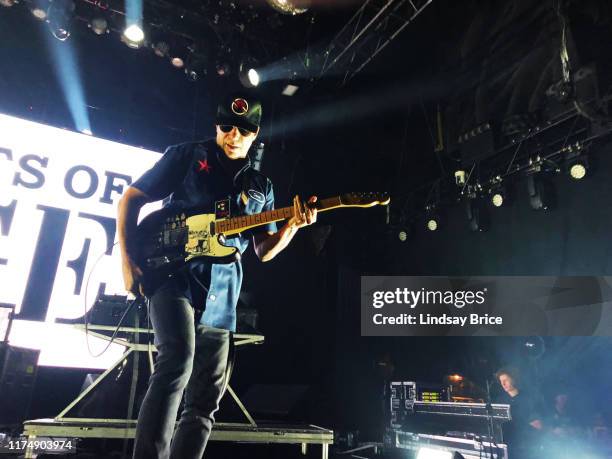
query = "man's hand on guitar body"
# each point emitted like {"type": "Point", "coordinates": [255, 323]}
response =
{"type": "Point", "coordinates": [132, 276]}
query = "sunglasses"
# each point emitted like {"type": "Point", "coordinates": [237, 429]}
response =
{"type": "Point", "coordinates": [228, 128]}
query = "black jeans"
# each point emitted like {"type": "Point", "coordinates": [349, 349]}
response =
{"type": "Point", "coordinates": [192, 358]}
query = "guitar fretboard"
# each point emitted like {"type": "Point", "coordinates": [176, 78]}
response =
{"type": "Point", "coordinates": [236, 225]}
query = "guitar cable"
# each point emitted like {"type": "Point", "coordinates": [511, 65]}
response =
{"type": "Point", "coordinates": [123, 316]}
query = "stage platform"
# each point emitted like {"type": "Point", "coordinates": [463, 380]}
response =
{"type": "Point", "coordinates": [67, 425]}
{"type": "Point", "coordinates": [302, 435]}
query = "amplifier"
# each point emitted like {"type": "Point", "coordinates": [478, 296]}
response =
{"type": "Point", "coordinates": [435, 446]}
{"type": "Point", "coordinates": [17, 376]}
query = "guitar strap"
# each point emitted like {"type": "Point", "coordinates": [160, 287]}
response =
{"type": "Point", "coordinates": [244, 188]}
{"type": "Point", "coordinates": [223, 207]}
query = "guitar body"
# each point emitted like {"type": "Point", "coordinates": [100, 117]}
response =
{"type": "Point", "coordinates": [169, 239]}
{"type": "Point", "coordinates": [201, 242]}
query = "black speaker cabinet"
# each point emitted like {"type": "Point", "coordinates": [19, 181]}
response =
{"type": "Point", "coordinates": [17, 376]}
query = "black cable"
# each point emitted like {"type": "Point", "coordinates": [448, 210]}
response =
{"type": "Point", "coordinates": [116, 331]}
{"type": "Point", "coordinates": [514, 157]}
{"type": "Point", "coordinates": [86, 322]}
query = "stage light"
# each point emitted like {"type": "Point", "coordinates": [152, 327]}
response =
{"type": "Point", "coordinates": [192, 75]}
{"type": "Point", "coordinates": [498, 192]}
{"type": "Point", "coordinates": [430, 453]}
{"type": "Point", "coordinates": [223, 68]}
{"type": "Point", "coordinates": [539, 198]}
{"type": "Point", "coordinates": [455, 378]}
{"type": "Point", "coordinates": [432, 218]}
{"type": "Point", "coordinates": [59, 18]}
{"type": "Point", "coordinates": [161, 49]}
{"type": "Point", "coordinates": [194, 69]}
{"type": "Point", "coordinates": [248, 76]}
{"type": "Point", "coordinates": [196, 65]}
{"type": "Point", "coordinates": [7, 3]}
{"type": "Point", "coordinates": [290, 90]}
{"type": "Point", "coordinates": [99, 25]}
{"type": "Point", "coordinates": [177, 61]}
{"type": "Point", "coordinates": [577, 167]}
{"type": "Point", "coordinates": [134, 33]}
{"type": "Point", "coordinates": [476, 215]}
{"type": "Point", "coordinates": [497, 199]}
{"type": "Point", "coordinates": [578, 171]}
{"type": "Point", "coordinates": [289, 6]}
{"type": "Point", "coordinates": [133, 36]}
{"type": "Point", "coordinates": [253, 77]}
{"type": "Point", "coordinates": [39, 9]}
{"type": "Point", "coordinates": [460, 177]}
{"type": "Point", "coordinates": [402, 235]}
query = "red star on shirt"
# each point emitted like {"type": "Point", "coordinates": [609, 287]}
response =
{"type": "Point", "coordinates": [204, 166]}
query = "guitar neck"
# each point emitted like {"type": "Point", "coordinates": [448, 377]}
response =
{"type": "Point", "coordinates": [236, 225]}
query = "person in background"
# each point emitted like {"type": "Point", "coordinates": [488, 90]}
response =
{"type": "Point", "coordinates": [524, 432]}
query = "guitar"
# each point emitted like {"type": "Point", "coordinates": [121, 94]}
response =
{"type": "Point", "coordinates": [169, 239]}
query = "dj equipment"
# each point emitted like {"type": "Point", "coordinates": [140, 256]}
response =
{"type": "Point", "coordinates": [476, 448]}
{"type": "Point", "coordinates": [469, 418]}
{"type": "Point", "coordinates": [404, 394]}
{"type": "Point", "coordinates": [408, 413]}
{"type": "Point", "coordinates": [499, 412]}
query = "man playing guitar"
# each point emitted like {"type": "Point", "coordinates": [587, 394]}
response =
{"type": "Point", "coordinates": [193, 311]}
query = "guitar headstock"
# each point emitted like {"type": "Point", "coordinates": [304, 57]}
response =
{"type": "Point", "coordinates": [365, 199]}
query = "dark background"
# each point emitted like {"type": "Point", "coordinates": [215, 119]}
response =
{"type": "Point", "coordinates": [376, 133]}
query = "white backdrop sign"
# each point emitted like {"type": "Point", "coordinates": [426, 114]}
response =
{"type": "Point", "coordinates": [59, 192]}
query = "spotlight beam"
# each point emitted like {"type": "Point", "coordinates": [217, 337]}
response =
{"type": "Point", "coordinates": [67, 72]}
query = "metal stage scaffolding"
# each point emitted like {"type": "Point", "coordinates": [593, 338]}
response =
{"type": "Point", "coordinates": [250, 432]}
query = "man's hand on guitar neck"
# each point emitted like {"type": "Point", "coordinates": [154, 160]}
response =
{"type": "Point", "coordinates": [268, 245]}
{"type": "Point", "coordinates": [302, 215]}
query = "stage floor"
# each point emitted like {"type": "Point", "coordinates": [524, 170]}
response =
{"type": "Point", "coordinates": [264, 433]}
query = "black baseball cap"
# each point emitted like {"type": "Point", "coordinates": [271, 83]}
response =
{"type": "Point", "coordinates": [239, 110]}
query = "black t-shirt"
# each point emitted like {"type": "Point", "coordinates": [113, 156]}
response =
{"type": "Point", "coordinates": [524, 409]}
{"type": "Point", "coordinates": [194, 176]}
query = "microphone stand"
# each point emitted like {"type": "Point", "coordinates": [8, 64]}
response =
{"type": "Point", "coordinates": [490, 428]}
